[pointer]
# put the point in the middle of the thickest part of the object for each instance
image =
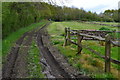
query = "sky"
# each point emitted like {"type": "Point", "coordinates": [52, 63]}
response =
{"type": "Point", "coordinates": [97, 6]}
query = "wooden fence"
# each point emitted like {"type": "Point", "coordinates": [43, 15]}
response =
{"type": "Point", "coordinates": [93, 35]}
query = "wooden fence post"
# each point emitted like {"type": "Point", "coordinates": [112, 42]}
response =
{"type": "Point", "coordinates": [68, 36]}
{"type": "Point", "coordinates": [114, 34]}
{"type": "Point", "coordinates": [107, 53]}
{"type": "Point", "coordinates": [65, 42]}
{"type": "Point", "coordinates": [79, 42]}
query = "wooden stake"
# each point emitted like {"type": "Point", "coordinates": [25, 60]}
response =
{"type": "Point", "coordinates": [107, 53]}
{"type": "Point", "coordinates": [68, 36]}
{"type": "Point", "coordinates": [79, 43]}
{"type": "Point", "coordinates": [114, 34]}
{"type": "Point", "coordinates": [65, 42]}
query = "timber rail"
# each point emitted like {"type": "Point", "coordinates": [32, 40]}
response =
{"type": "Point", "coordinates": [103, 36]}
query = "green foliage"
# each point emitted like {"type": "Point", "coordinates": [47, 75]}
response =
{"type": "Point", "coordinates": [105, 76]}
{"type": "Point", "coordinates": [56, 42]}
{"type": "Point", "coordinates": [20, 14]}
{"type": "Point", "coordinates": [104, 28]}
{"type": "Point", "coordinates": [112, 15]}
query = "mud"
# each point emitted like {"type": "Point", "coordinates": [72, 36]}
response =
{"type": "Point", "coordinates": [15, 65]}
{"type": "Point", "coordinates": [58, 64]}
{"type": "Point", "coordinates": [54, 64]}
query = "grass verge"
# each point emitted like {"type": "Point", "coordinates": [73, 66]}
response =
{"type": "Point", "coordinates": [34, 66]}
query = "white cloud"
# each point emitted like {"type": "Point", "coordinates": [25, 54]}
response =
{"type": "Point", "coordinates": [92, 4]}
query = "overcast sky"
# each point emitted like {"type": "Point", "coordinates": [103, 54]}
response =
{"type": "Point", "coordinates": [92, 5]}
{"type": "Point", "coordinates": [88, 5]}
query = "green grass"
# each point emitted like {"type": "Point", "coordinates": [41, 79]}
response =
{"type": "Point", "coordinates": [0, 53]}
{"type": "Point", "coordinates": [9, 41]}
{"type": "Point", "coordinates": [104, 75]}
{"type": "Point", "coordinates": [57, 29]}
{"type": "Point", "coordinates": [87, 62]}
{"type": "Point", "coordinates": [0, 46]}
{"type": "Point", "coordinates": [110, 23]}
{"type": "Point", "coordinates": [34, 66]}
{"type": "Point", "coordinates": [101, 49]}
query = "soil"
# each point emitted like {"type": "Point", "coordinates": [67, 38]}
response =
{"type": "Point", "coordinates": [54, 64]}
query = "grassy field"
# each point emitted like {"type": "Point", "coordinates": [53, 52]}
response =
{"type": "Point", "coordinates": [87, 62]}
{"type": "Point", "coordinates": [9, 41]}
{"type": "Point", "coordinates": [109, 23]}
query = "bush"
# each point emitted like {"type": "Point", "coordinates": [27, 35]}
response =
{"type": "Point", "coordinates": [104, 28]}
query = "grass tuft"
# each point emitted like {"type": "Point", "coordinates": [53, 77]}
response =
{"type": "Point", "coordinates": [34, 66]}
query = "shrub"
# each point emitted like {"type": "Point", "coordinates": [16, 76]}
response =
{"type": "Point", "coordinates": [104, 28]}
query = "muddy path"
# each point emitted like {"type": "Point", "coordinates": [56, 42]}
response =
{"type": "Point", "coordinates": [15, 66]}
{"type": "Point", "coordinates": [56, 70]}
{"type": "Point", "coordinates": [53, 62]}
{"type": "Point", "coordinates": [59, 67]}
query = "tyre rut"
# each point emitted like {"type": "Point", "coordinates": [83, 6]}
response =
{"type": "Point", "coordinates": [11, 58]}
{"type": "Point", "coordinates": [15, 66]}
{"type": "Point", "coordinates": [58, 64]}
{"type": "Point", "coordinates": [56, 70]}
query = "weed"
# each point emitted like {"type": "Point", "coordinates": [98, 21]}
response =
{"type": "Point", "coordinates": [34, 66]}
{"type": "Point", "coordinates": [104, 75]}
{"type": "Point", "coordinates": [56, 42]}
{"type": "Point", "coordinates": [104, 28]}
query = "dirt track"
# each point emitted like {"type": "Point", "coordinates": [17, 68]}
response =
{"type": "Point", "coordinates": [16, 59]}
{"type": "Point", "coordinates": [54, 64]}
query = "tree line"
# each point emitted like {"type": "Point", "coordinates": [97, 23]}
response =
{"type": "Point", "coordinates": [20, 14]}
{"type": "Point", "coordinates": [113, 15]}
